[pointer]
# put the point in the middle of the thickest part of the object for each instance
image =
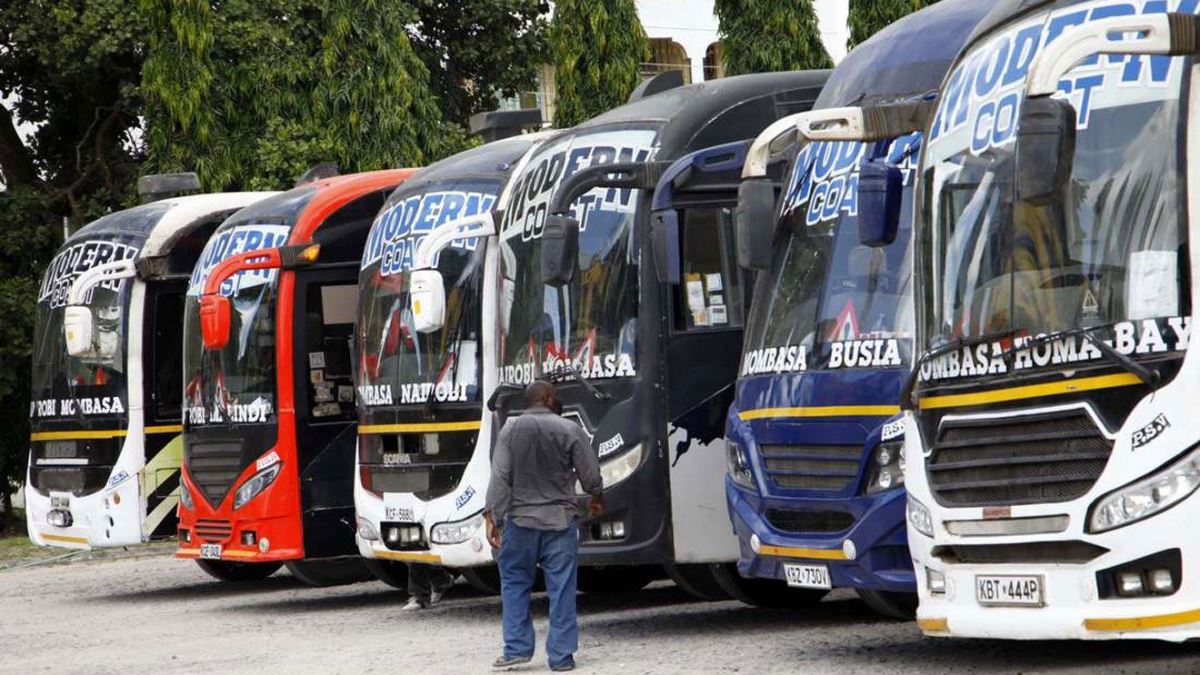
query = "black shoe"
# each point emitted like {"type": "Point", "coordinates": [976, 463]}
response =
{"type": "Point", "coordinates": [563, 667]}
{"type": "Point", "coordinates": [505, 662]}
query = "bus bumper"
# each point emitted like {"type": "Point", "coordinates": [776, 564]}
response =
{"type": "Point", "coordinates": [110, 517]}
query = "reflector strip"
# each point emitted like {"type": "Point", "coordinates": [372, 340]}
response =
{"type": "Point", "coordinates": [934, 625]}
{"type": "Point", "coordinates": [420, 428]}
{"type": "Point", "coordinates": [822, 411]}
{"type": "Point", "coordinates": [809, 553]}
{"type": "Point", "coordinates": [64, 538]}
{"type": "Point", "coordinates": [99, 433]}
{"type": "Point", "coordinates": [1143, 622]}
{"type": "Point", "coordinates": [1030, 391]}
{"type": "Point", "coordinates": [408, 556]}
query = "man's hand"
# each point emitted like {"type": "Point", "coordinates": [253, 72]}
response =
{"type": "Point", "coordinates": [596, 506]}
{"type": "Point", "coordinates": [493, 532]}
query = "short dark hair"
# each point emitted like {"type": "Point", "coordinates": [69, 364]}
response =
{"type": "Point", "coordinates": [538, 392]}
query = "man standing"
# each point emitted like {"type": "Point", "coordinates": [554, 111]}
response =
{"type": "Point", "coordinates": [532, 516]}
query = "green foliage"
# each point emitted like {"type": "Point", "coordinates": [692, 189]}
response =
{"type": "Point", "coordinates": [770, 35]}
{"type": "Point", "coordinates": [478, 51]}
{"type": "Point", "coordinates": [868, 17]}
{"type": "Point", "coordinates": [597, 47]}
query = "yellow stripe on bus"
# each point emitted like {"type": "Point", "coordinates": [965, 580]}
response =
{"type": "Point", "coordinates": [1031, 391]}
{"type": "Point", "coordinates": [89, 434]}
{"type": "Point", "coordinates": [1143, 622]}
{"type": "Point", "coordinates": [419, 428]}
{"type": "Point", "coordinates": [431, 558]}
{"type": "Point", "coordinates": [822, 411]}
{"type": "Point", "coordinates": [64, 538]}
{"type": "Point", "coordinates": [807, 553]}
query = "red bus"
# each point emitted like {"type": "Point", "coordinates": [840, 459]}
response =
{"type": "Point", "coordinates": [269, 411]}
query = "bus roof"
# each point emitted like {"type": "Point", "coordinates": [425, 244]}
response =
{"type": "Point", "coordinates": [333, 193]}
{"type": "Point", "coordinates": [489, 159]}
{"type": "Point", "coordinates": [901, 61]}
{"type": "Point", "coordinates": [710, 113]}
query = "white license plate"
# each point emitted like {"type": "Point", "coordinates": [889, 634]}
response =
{"type": "Point", "coordinates": [210, 551]}
{"type": "Point", "coordinates": [1010, 591]}
{"type": "Point", "coordinates": [807, 576]}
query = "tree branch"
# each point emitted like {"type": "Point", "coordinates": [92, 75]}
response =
{"type": "Point", "coordinates": [15, 161]}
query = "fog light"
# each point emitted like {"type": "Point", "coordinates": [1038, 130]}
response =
{"type": "Point", "coordinates": [59, 518]}
{"type": "Point", "coordinates": [849, 550]}
{"type": "Point", "coordinates": [1129, 583]}
{"type": "Point", "coordinates": [754, 543]}
{"type": "Point", "coordinates": [249, 538]}
{"type": "Point", "coordinates": [185, 536]}
{"type": "Point", "coordinates": [392, 534]}
{"type": "Point", "coordinates": [59, 502]}
{"type": "Point", "coordinates": [366, 530]}
{"type": "Point", "coordinates": [1161, 582]}
{"type": "Point", "coordinates": [264, 545]}
{"type": "Point", "coordinates": [935, 581]}
{"type": "Point", "coordinates": [606, 531]}
{"type": "Point", "coordinates": [885, 479]}
{"type": "Point", "coordinates": [618, 529]}
{"type": "Point", "coordinates": [402, 535]}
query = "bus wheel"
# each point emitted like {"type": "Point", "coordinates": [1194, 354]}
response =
{"type": "Point", "coordinates": [485, 579]}
{"type": "Point", "coordinates": [768, 593]}
{"type": "Point", "coordinates": [616, 579]}
{"type": "Point", "coordinates": [329, 572]}
{"type": "Point", "coordinates": [390, 572]}
{"type": "Point", "coordinates": [238, 571]}
{"type": "Point", "coordinates": [697, 581]}
{"type": "Point", "coordinates": [891, 604]}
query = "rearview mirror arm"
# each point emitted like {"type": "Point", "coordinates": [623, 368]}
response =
{"type": "Point", "coordinates": [86, 281]}
{"type": "Point", "coordinates": [471, 227]}
{"type": "Point", "coordinates": [628, 175]}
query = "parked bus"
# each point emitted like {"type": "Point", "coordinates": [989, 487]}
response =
{"type": "Point", "coordinates": [269, 411]}
{"type": "Point", "coordinates": [105, 406]}
{"type": "Point", "coordinates": [420, 485]}
{"type": "Point", "coordinates": [816, 482]}
{"type": "Point", "coordinates": [644, 365]}
{"type": "Point", "coordinates": [1050, 461]}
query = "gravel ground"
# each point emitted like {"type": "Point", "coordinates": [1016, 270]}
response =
{"type": "Point", "coordinates": [152, 613]}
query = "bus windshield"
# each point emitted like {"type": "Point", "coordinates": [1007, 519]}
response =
{"type": "Point", "coordinates": [398, 365]}
{"type": "Point", "coordinates": [1109, 256]}
{"type": "Point", "coordinates": [92, 386]}
{"type": "Point", "coordinates": [237, 383]}
{"type": "Point", "coordinates": [828, 301]}
{"type": "Point", "coordinates": [590, 323]}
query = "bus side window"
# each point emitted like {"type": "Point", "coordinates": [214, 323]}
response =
{"type": "Point", "coordinates": [710, 293]}
{"type": "Point", "coordinates": [329, 327]}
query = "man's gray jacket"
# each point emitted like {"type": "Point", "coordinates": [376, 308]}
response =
{"type": "Point", "coordinates": [538, 458]}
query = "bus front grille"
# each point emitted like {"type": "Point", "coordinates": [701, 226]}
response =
{"type": "Point", "coordinates": [816, 522]}
{"type": "Point", "coordinates": [812, 467]}
{"type": "Point", "coordinates": [214, 468]}
{"type": "Point", "coordinates": [213, 530]}
{"type": "Point", "coordinates": [1023, 459]}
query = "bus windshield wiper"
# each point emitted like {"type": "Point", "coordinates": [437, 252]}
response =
{"type": "Point", "coordinates": [955, 344]}
{"type": "Point", "coordinates": [569, 371]}
{"type": "Point", "coordinates": [1148, 376]}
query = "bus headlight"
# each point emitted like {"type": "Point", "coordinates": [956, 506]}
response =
{"type": "Point", "coordinates": [1148, 496]}
{"type": "Point", "coordinates": [255, 485]}
{"type": "Point", "coordinates": [887, 467]}
{"type": "Point", "coordinates": [739, 465]}
{"type": "Point", "coordinates": [617, 469]}
{"type": "Point", "coordinates": [919, 517]}
{"type": "Point", "coordinates": [185, 497]}
{"type": "Point", "coordinates": [456, 532]}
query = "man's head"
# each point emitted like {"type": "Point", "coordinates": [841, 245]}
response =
{"type": "Point", "coordinates": [541, 393]}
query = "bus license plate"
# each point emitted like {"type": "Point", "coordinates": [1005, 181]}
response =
{"type": "Point", "coordinates": [807, 576]}
{"type": "Point", "coordinates": [1010, 591]}
{"type": "Point", "coordinates": [210, 551]}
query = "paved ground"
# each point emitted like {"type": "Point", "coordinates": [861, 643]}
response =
{"type": "Point", "coordinates": [151, 613]}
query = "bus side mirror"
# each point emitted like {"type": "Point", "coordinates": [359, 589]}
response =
{"type": "Point", "coordinates": [77, 330]}
{"type": "Point", "coordinates": [754, 222]}
{"type": "Point", "coordinates": [1045, 149]}
{"type": "Point", "coordinates": [560, 250]}
{"type": "Point", "coordinates": [664, 234]}
{"type": "Point", "coordinates": [215, 321]}
{"type": "Point", "coordinates": [427, 295]}
{"type": "Point", "coordinates": [880, 193]}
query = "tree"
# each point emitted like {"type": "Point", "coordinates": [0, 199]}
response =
{"type": "Point", "coordinates": [598, 47]}
{"type": "Point", "coordinates": [770, 35]}
{"type": "Point", "coordinates": [252, 93]}
{"type": "Point", "coordinates": [868, 17]}
{"type": "Point", "coordinates": [478, 51]}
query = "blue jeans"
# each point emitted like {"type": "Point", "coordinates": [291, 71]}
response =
{"type": "Point", "coordinates": [522, 551]}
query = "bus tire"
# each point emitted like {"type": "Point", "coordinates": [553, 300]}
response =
{"type": "Point", "coordinates": [485, 579]}
{"type": "Point", "coordinates": [893, 605]}
{"type": "Point", "coordinates": [766, 593]}
{"type": "Point", "coordinates": [329, 572]}
{"type": "Point", "coordinates": [616, 579]}
{"type": "Point", "coordinates": [225, 570]}
{"type": "Point", "coordinates": [697, 581]}
{"type": "Point", "coordinates": [390, 572]}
